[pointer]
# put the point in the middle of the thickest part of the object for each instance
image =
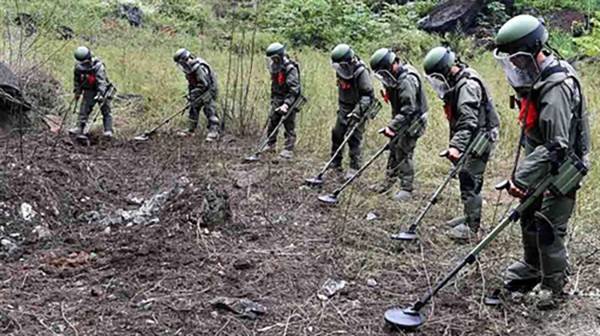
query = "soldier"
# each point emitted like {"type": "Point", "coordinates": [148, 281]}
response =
{"type": "Point", "coordinates": [469, 110]}
{"type": "Point", "coordinates": [202, 92]}
{"type": "Point", "coordinates": [285, 89]}
{"type": "Point", "coordinates": [554, 120]}
{"type": "Point", "coordinates": [90, 79]}
{"type": "Point", "coordinates": [404, 91]}
{"type": "Point", "coordinates": [355, 95]}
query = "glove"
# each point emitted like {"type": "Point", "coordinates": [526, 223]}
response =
{"type": "Point", "coordinates": [388, 132]}
{"type": "Point", "coordinates": [283, 108]}
{"type": "Point", "coordinates": [353, 118]}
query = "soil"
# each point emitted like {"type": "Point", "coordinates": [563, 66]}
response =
{"type": "Point", "coordinates": [277, 249]}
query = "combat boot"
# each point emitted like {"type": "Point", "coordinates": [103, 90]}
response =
{"type": "Point", "coordinates": [403, 196]}
{"type": "Point", "coordinates": [383, 186]}
{"type": "Point", "coordinates": [287, 154]}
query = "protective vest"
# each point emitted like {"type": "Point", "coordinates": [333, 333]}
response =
{"type": "Point", "coordinates": [193, 79]}
{"type": "Point", "coordinates": [488, 117]}
{"type": "Point", "coordinates": [579, 133]}
{"type": "Point", "coordinates": [87, 75]}
{"type": "Point", "coordinates": [349, 91]}
{"type": "Point", "coordinates": [278, 80]}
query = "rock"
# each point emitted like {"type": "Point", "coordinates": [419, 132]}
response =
{"type": "Point", "coordinates": [28, 22]}
{"type": "Point", "coordinates": [372, 216]}
{"type": "Point", "coordinates": [42, 232]}
{"type": "Point", "coordinates": [568, 20]}
{"type": "Point", "coordinates": [243, 264]}
{"type": "Point", "coordinates": [90, 216]}
{"type": "Point", "coordinates": [26, 211]}
{"type": "Point", "coordinates": [10, 250]}
{"type": "Point", "coordinates": [107, 230]}
{"type": "Point", "coordinates": [132, 13]}
{"type": "Point", "coordinates": [134, 200]}
{"type": "Point", "coordinates": [371, 282]}
{"type": "Point", "coordinates": [242, 307]}
{"type": "Point", "coordinates": [12, 103]}
{"type": "Point", "coordinates": [330, 288]}
{"type": "Point", "coordinates": [217, 210]}
{"type": "Point", "coordinates": [65, 32]}
{"type": "Point", "coordinates": [452, 15]}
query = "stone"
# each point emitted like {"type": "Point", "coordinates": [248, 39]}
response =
{"type": "Point", "coordinates": [452, 16]}
{"type": "Point", "coordinates": [42, 232]}
{"type": "Point", "coordinates": [242, 307]}
{"type": "Point", "coordinates": [330, 288]}
{"type": "Point", "coordinates": [26, 211]}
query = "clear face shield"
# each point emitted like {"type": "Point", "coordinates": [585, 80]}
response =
{"type": "Point", "coordinates": [439, 84]}
{"type": "Point", "coordinates": [344, 70]}
{"type": "Point", "coordinates": [274, 64]}
{"type": "Point", "coordinates": [185, 65]}
{"type": "Point", "coordinates": [386, 78]}
{"type": "Point", "coordinates": [520, 68]}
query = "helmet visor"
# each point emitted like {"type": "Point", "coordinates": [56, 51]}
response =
{"type": "Point", "coordinates": [185, 66]}
{"type": "Point", "coordinates": [274, 64]}
{"type": "Point", "coordinates": [386, 78]}
{"type": "Point", "coordinates": [439, 84]}
{"type": "Point", "coordinates": [520, 68]}
{"type": "Point", "coordinates": [344, 70]}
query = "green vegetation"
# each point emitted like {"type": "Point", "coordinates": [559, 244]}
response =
{"type": "Point", "coordinates": [139, 60]}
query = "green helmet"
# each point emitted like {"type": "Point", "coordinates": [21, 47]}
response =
{"type": "Point", "coordinates": [181, 55]}
{"type": "Point", "coordinates": [342, 53]}
{"type": "Point", "coordinates": [382, 59]}
{"type": "Point", "coordinates": [275, 49]}
{"type": "Point", "coordinates": [439, 60]}
{"type": "Point", "coordinates": [521, 33]}
{"type": "Point", "coordinates": [83, 54]}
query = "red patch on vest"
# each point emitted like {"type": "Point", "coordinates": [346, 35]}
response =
{"type": "Point", "coordinates": [191, 78]}
{"type": "Point", "coordinates": [448, 111]}
{"type": "Point", "coordinates": [280, 78]}
{"type": "Point", "coordinates": [90, 79]}
{"type": "Point", "coordinates": [528, 114]}
{"type": "Point", "coordinates": [386, 96]}
{"type": "Point", "coordinates": [344, 85]}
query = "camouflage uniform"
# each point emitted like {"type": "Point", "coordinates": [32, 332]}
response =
{"type": "Point", "coordinates": [355, 95]}
{"type": "Point", "coordinates": [90, 81]}
{"type": "Point", "coordinates": [465, 108]}
{"type": "Point", "coordinates": [559, 126]}
{"type": "Point", "coordinates": [201, 80]}
{"type": "Point", "coordinates": [409, 104]}
{"type": "Point", "coordinates": [285, 89]}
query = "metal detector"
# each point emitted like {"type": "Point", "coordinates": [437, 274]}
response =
{"type": "Point", "coordinates": [371, 113]}
{"type": "Point", "coordinates": [146, 135]}
{"type": "Point", "coordinates": [478, 146]}
{"type": "Point", "coordinates": [333, 197]}
{"type": "Point", "coordinates": [567, 178]}
{"type": "Point", "coordinates": [298, 103]}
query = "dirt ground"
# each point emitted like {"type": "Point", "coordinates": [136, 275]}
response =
{"type": "Point", "coordinates": [87, 277]}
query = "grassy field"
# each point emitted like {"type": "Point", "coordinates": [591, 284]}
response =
{"type": "Point", "coordinates": [140, 61]}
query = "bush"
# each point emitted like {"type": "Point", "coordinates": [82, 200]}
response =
{"type": "Point", "coordinates": [322, 23]}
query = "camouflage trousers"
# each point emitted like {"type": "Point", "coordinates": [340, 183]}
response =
{"type": "Point", "coordinates": [400, 161]}
{"type": "Point", "coordinates": [210, 111]}
{"type": "Point", "coordinates": [338, 133]}
{"type": "Point", "coordinates": [543, 228]}
{"type": "Point", "coordinates": [87, 106]}
{"type": "Point", "coordinates": [470, 177]}
{"type": "Point", "coordinates": [289, 126]}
